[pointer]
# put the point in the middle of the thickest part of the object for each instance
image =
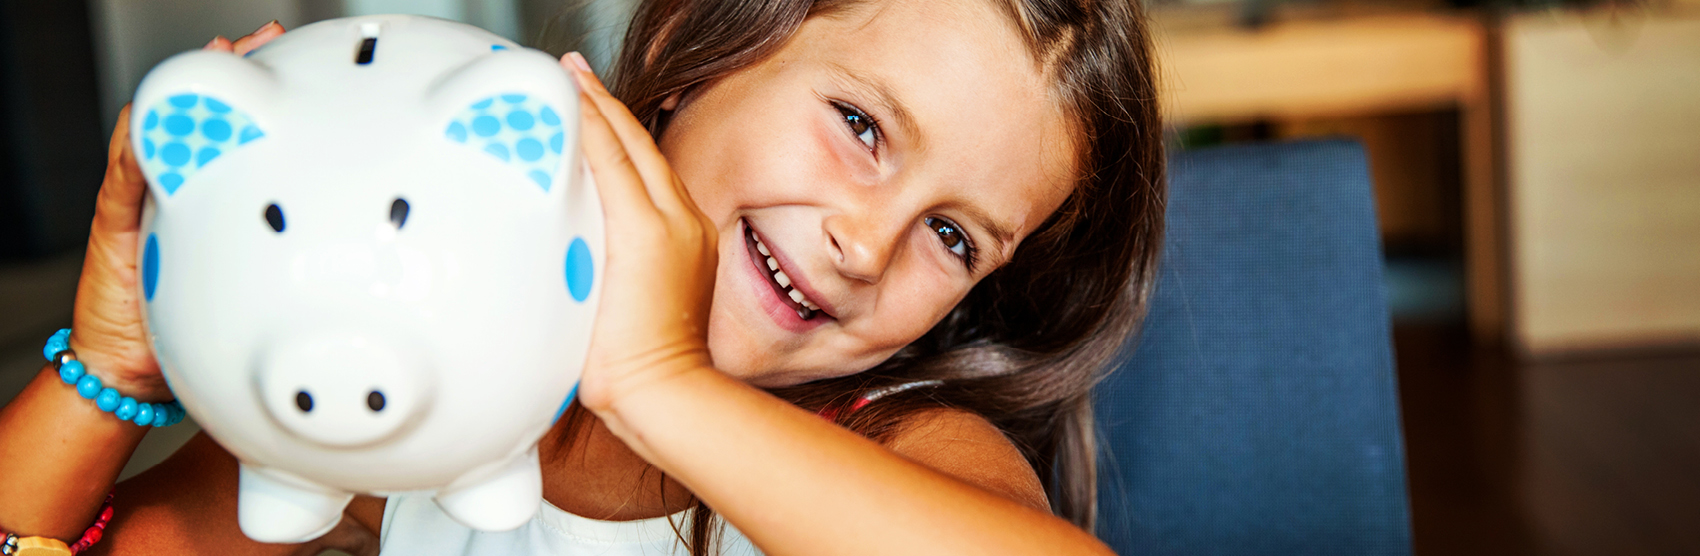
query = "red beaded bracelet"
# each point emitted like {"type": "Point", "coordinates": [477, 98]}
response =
{"type": "Point", "coordinates": [44, 546]}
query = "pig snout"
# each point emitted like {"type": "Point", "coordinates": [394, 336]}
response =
{"type": "Point", "coordinates": [342, 391]}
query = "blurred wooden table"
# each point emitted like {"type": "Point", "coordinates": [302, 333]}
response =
{"type": "Point", "coordinates": [1345, 65]}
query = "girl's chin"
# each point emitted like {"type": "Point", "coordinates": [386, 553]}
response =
{"type": "Point", "coordinates": [757, 361]}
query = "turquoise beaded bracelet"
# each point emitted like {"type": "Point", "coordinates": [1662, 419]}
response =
{"type": "Point", "coordinates": [58, 351]}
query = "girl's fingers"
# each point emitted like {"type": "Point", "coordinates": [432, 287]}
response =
{"type": "Point", "coordinates": [119, 205]}
{"type": "Point", "coordinates": [664, 189]}
{"type": "Point", "coordinates": [219, 43]}
{"type": "Point", "coordinates": [617, 179]}
{"type": "Point", "coordinates": [257, 38]}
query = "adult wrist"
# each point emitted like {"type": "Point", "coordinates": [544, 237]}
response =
{"type": "Point", "coordinates": [106, 396]}
{"type": "Point", "coordinates": [116, 369]}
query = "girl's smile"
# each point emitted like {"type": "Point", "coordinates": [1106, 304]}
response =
{"type": "Point", "coordinates": [790, 301]}
{"type": "Point", "coordinates": [880, 187]}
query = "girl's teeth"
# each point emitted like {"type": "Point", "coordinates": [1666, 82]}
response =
{"type": "Point", "coordinates": [809, 309]}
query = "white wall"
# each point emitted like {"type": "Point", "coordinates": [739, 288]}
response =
{"type": "Point", "coordinates": [131, 36]}
{"type": "Point", "coordinates": [497, 16]}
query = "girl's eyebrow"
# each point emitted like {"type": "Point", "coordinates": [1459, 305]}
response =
{"type": "Point", "coordinates": [1002, 234]}
{"type": "Point", "coordinates": [882, 96]}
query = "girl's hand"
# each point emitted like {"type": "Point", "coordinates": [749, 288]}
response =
{"type": "Point", "coordinates": [661, 255]}
{"type": "Point", "coordinates": [107, 330]}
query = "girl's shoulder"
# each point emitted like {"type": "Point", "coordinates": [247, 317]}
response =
{"type": "Point", "coordinates": [969, 448]}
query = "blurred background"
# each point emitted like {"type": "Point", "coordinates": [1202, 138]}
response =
{"type": "Point", "coordinates": [1536, 165]}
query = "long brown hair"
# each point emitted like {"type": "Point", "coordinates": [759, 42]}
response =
{"type": "Point", "coordinates": [1027, 344]}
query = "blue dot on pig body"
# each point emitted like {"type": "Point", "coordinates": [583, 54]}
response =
{"type": "Point", "coordinates": [482, 104]}
{"type": "Point", "coordinates": [556, 141]}
{"type": "Point", "coordinates": [185, 101]}
{"type": "Point", "coordinates": [457, 132]}
{"type": "Point", "coordinates": [567, 402]}
{"type": "Point", "coordinates": [548, 116]}
{"type": "Point", "coordinates": [514, 98]}
{"type": "Point", "coordinates": [542, 178]}
{"type": "Point", "coordinates": [152, 121]}
{"type": "Point", "coordinates": [497, 150]}
{"type": "Point", "coordinates": [580, 271]}
{"type": "Point", "coordinates": [150, 266]}
{"type": "Point", "coordinates": [147, 149]}
{"type": "Point", "coordinates": [216, 106]}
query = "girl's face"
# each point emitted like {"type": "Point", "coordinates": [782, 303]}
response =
{"type": "Point", "coordinates": [864, 178]}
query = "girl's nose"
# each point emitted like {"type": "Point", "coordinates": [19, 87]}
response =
{"type": "Point", "coordinates": [862, 245]}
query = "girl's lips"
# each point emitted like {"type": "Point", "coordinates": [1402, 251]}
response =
{"type": "Point", "coordinates": [775, 301]}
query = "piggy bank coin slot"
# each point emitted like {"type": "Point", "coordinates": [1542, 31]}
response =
{"type": "Point", "coordinates": [368, 47]}
{"type": "Point", "coordinates": [375, 401]}
{"type": "Point", "coordinates": [304, 401]}
{"type": "Point", "coordinates": [274, 217]}
{"type": "Point", "coordinates": [398, 212]}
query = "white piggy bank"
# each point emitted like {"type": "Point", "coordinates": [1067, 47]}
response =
{"type": "Point", "coordinates": [371, 258]}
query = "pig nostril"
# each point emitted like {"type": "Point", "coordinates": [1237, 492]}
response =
{"type": "Point", "coordinates": [304, 401]}
{"type": "Point", "coordinates": [375, 400]}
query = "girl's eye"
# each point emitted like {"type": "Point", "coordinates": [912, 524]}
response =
{"type": "Point", "coordinates": [953, 238]}
{"type": "Point", "coordinates": [860, 123]}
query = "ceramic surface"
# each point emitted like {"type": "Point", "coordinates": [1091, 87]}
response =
{"type": "Point", "coordinates": [370, 258]}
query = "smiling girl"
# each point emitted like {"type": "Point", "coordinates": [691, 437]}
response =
{"type": "Point", "coordinates": [866, 260]}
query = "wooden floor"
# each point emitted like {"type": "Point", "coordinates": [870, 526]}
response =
{"type": "Point", "coordinates": [1591, 455]}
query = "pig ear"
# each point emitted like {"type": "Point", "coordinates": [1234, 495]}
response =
{"type": "Point", "coordinates": [517, 107]}
{"type": "Point", "coordinates": [192, 110]}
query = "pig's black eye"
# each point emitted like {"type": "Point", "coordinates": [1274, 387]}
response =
{"type": "Point", "coordinates": [398, 212]}
{"type": "Point", "coordinates": [274, 216]}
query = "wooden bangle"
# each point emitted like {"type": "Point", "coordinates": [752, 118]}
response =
{"type": "Point", "coordinates": [13, 545]}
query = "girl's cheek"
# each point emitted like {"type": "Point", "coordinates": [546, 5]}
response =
{"type": "Point", "coordinates": [846, 155]}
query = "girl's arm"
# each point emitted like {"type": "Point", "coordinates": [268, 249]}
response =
{"type": "Point", "coordinates": [61, 456]}
{"type": "Point", "coordinates": [797, 484]}
{"type": "Point", "coordinates": [788, 479]}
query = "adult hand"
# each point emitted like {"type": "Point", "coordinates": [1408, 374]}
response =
{"type": "Point", "coordinates": [107, 331]}
{"type": "Point", "coordinates": [661, 255]}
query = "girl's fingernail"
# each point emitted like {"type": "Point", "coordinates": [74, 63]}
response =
{"type": "Point", "coordinates": [578, 60]}
{"type": "Point", "coordinates": [212, 44]}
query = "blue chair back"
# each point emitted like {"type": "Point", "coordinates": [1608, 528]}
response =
{"type": "Point", "coordinates": [1257, 412]}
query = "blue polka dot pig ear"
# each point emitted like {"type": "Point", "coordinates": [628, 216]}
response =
{"type": "Point", "coordinates": [193, 112]}
{"type": "Point", "coordinates": [183, 133]}
{"type": "Point", "coordinates": [512, 122]}
{"type": "Point", "coordinates": [520, 131]}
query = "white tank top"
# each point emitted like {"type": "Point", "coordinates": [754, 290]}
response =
{"type": "Point", "coordinates": [414, 525]}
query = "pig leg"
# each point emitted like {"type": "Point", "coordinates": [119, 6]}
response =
{"type": "Point", "coordinates": [276, 507]}
{"type": "Point", "coordinates": [500, 497]}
